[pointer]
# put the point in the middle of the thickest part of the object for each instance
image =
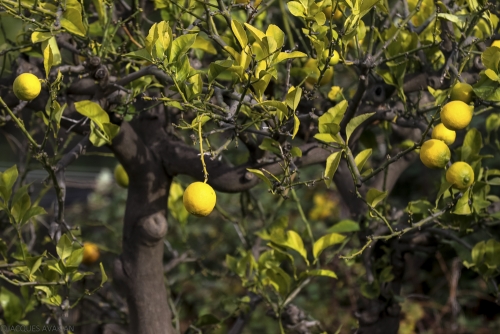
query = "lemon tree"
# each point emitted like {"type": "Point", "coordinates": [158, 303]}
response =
{"type": "Point", "coordinates": [268, 165]}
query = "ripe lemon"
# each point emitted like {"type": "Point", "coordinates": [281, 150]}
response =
{"type": "Point", "coordinates": [334, 60]}
{"type": "Point", "coordinates": [328, 12]}
{"type": "Point", "coordinates": [462, 92]}
{"type": "Point", "coordinates": [27, 87]}
{"type": "Point", "coordinates": [199, 199]}
{"type": "Point", "coordinates": [496, 43]}
{"type": "Point", "coordinates": [456, 115]}
{"type": "Point", "coordinates": [435, 154]}
{"type": "Point", "coordinates": [121, 176]}
{"type": "Point", "coordinates": [460, 174]}
{"type": "Point", "coordinates": [441, 132]}
{"type": "Point", "coordinates": [90, 253]}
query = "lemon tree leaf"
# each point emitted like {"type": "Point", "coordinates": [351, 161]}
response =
{"type": "Point", "coordinates": [291, 240]}
{"type": "Point", "coordinates": [104, 277]}
{"type": "Point", "coordinates": [375, 196]}
{"type": "Point", "coordinates": [462, 207]}
{"type": "Point", "coordinates": [288, 55]}
{"type": "Point", "coordinates": [321, 272]}
{"type": "Point", "coordinates": [344, 226]}
{"type": "Point", "coordinates": [296, 125]}
{"type": "Point", "coordinates": [181, 45]}
{"type": "Point", "coordinates": [48, 59]}
{"type": "Point", "coordinates": [141, 54]}
{"type": "Point", "coordinates": [332, 164]}
{"type": "Point", "coordinates": [355, 122]}
{"type": "Point", "coordinates": [261, 176]}
{"type": "Point", "coordinates": [7, 180]}
{"type": "Point", "coordinates": [275, 34]}
{"type": "Point", "coordinates": [40, 36]}
{"type": "Point", "coordinates": [362, 158]}
{"type": "Point", "coordinates": [64, 247]}
{"type": "Point", "coordinates": [216, 68]}
{"type": "Point", "coordinates": [256, 33]}
{"type": "Point", "coordinates": [202, 44]}
{"type": "Point", "coordinates": [473, 142]}
{"type": "Point", "coordinates": [296, 9]}
{"type": "Point", "coordinates": [239, 33]}
{"type": "Point", "coordinates": [293, 97]}
{"type": "Point", "coordinates": [325, 242]}
{"type": "Point", "coordinates": [72, 22]}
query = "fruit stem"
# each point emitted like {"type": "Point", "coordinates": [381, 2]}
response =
{"type": "Point", "coordinates": [205, 173]}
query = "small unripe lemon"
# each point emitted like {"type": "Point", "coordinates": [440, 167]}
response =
{"type": "Point", "coordinates": [199, 199]}
{"type": "Point", "coordinates": [312, 67]}
{"type": "Point", "coordinates": [27, 87]}
{"type": "Point", "coordinates": [334, 60]}
{"type": "Point", "coordinates": [337, 15]}
{"type": "Point", "coordinates": [441, 132]}
{"type": "Point", "coordinates": [462, 92]}
{"type": "Point", "coordinates": [496, 43]}
{"type": "Point", "coordinates": [90, 253]}
{"type": "Point", "coordinates": [456, 115]}
{"type": "Point", "coordinates": [435, 154]}
{"type": "Point", "coordinates": [460, 174]}
{"type": "Point", "coordinates": [121, 176]}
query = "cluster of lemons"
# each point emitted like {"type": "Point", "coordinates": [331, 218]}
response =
{"type": "Point", "coordinates": [434, 153]}
{"type": "Point", "coordinates": [199, 198]}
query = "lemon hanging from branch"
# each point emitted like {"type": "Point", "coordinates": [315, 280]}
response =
{"type": "Point", "coordinates": [199, 197]}
{"type": "Point", "coordinates": [27, 87]}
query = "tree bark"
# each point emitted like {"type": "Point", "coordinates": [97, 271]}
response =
{"type": "Point", "coordinates": [139, 269]}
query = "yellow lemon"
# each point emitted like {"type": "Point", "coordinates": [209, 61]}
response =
{"type": "Point", "coordinates": [337, 15]}
{"type": "Point", "coordinates": [27, 87]}
{"type": "Point", "coordinates": [435, 154]}
{"type": "Point", "coordinates": [462, 92]}
{"type": "Point", "coordinates": [496, 43]}
{"type": "Point", "coordinates": [334, 60]}
{"type": "Point", "coordinates": [460, 174]}
{"type": "Point", "coordinates": [199, 199]}
{"type": "Point", "coordinates": [456, 115]}
{"type": "Point", "coordinates": [121, 176]}
{"type": "Point", "coordinates": [90, 253]}
{"type": "Point", "coordinates": [441, 132]}
{"type": "Point", "coordinates": [328, 12]}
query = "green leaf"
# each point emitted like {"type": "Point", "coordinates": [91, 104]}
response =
{"type": "Point", "coordinates": [370, 291]}
{"type": "Point", "coordinates": [32, 212]}
{"type": "Point", "coordinates": [180, 46]}
{"type": "Point", "coordinates": [256, 33]}
{"type": "Point", "coordinates": [239, 33]}
{"type": "Point", "coordinates": [296, 125]}
{"type": "Point", "coordinates": [419, 207]}
{"type": "Point", "coordinates": [344, 226]}
{"type": "Point", "coordinates": [491, 58]}
{"type": "Point", "coordinates": [362, 158]}
{"type": "Point", "coordinates": [296, 9]}
{"type": "Point", "coordinates": [355, 122]}
{"type": "Point", "coordinates": [472, 145]}
{"type": "Point", "coordinates": [321, 272]}
{"type": "Point", "coordinates": [48, 59]}
{"type": "Point", "coordinates": [375, 196]}
{"type": "Point", "coordinates": [338, 111]}
{"type": "Point", "coordinates": [40, 36]}
{"type": "Point", "coordinates": [261, 176]}
{"type": "Point", "coordinates": [282, 107]}
{"type": "Point", "coordinates": [100, 121]}
{"type": "Point", "coordinates": [64, 247]}
{"type": "Point", "coordinates": [327, 137]}
{"type": "Point", "coordinates": [462, 207]}
{"type": "Point", "coordinates": [75, 258]}
{"type": "Point", "coordinates": [386, 275]}
{"type": "Point", "coordinates": [288, 55]}
{"type": "Point", "coordinates": [104, 277]}
{"type": "Point", "coordinates": [332, 163]}
{"type": "Point", "coordinates": [325, 242]}
{"type": "Point", "coordinates": [280, 280]}
{"type": "Point", "coordinates": [207, 320]}
{"type": "Point", "coordinates": [141, 54]}
{"type": "Point", "coordinates": [293, 97]}
{"type": "Point", "coordinates": [21, 202]}
{"type": "Point", "coordinates": [204, 45]}
{"type": "Point", "coordinates": [270, 145]}
{"type": "Point", "coordinates": [216, 68]}
{"type": "Point", "coordinates": [276, 35]}
{"type": "Point", "coordinates": [11, 305]}
{"type": "Point", "coordinates": [293, 241]}
{"type": "Point", "coordinates": [7, 181]}
{"type": "Point", "coordinates": [72, 22]}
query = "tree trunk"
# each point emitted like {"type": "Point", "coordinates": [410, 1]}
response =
{"type": "Point", "coordinates": [139, 269]}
